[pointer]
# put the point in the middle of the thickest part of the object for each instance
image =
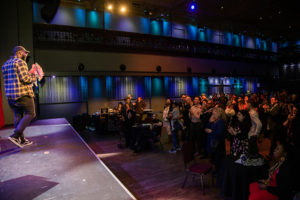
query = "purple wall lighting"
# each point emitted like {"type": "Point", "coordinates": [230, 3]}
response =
{"type": "Point", "coordinates": [179, 31]}
{"type": "Point", "coordinates": [125, 24]}
{"type": "Point", "coordinates": [250, 43]}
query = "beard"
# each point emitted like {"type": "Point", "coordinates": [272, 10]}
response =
{"type": "Point", "coordinates": [27, 59]}
{"type": "Point", "coordinates": [23, 57]}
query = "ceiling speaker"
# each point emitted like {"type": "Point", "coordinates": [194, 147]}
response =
{"type": "Point", "coordinates": [158, 68]}
{"type": "Point", "coordinates": [122, 67]}
{"type": "Point", "coordinates": [213, 71]}
{"type": "Point", "coordinates": [80, 67]}
{"type": "Point", "coordinates": [189, 69]}
{"type": "Point", "coordinates": [49, 9]}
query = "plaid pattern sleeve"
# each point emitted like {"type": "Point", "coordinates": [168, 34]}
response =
{"type": "Point", "coordinates": [17, 80]}
{"type": "Point", "coordinates": [24, 76]}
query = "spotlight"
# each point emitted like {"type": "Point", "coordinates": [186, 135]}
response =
{"type": "Point", "coordinates": [110, 7]}
{"type": "Point", "coordinates": [192, 6]}
{"type": "Point", "coordinates": [53, 76]}
{"type": "Point", "coordinates": [123, 9]}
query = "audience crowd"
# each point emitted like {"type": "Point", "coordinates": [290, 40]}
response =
{"type": "Point", "coordinates": [242, 120]}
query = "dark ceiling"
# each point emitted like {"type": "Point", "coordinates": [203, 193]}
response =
{"type": "Point", "coordinates": [276, 19]}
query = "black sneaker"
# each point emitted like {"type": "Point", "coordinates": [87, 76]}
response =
{"type": "Point", "coordinates": [16, 141]}
{"type": "Point", "coordinates": [26, 142]}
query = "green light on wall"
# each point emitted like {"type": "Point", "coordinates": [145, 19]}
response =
{"type": "Point", "coordinates": [157, 86]}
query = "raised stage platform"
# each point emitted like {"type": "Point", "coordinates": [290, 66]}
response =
{"type": "Point", "coordinates": [59, 165]}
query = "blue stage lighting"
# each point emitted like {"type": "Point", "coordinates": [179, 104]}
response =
{"type": "Point", "coordinates": [193, 6]}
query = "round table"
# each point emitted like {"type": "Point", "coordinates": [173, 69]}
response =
{"type": "Point", "coordinates": [235, 178]}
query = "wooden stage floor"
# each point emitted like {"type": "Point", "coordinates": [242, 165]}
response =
{"type": "Point", "coordinates": [59, 165]}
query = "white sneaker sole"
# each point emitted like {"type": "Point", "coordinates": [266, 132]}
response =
{"type": "Point", "coordinates": [27, 144]}
{"type": "Point", "coordinates": [16, 143]}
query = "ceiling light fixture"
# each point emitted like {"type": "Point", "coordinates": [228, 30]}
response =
{"type": "Point", "coordinates": [192, 6]}
{"type": "Point", "coordinates": [109, 7]}
{"type": "Point", "coordinates": [123, 9]}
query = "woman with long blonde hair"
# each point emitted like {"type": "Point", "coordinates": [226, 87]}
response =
{"type": "Point", "coordinates": [216, 138]}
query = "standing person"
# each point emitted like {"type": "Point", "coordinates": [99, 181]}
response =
{"type": "Point", "coordinates": [239, 132]}
{"type": "Point", "coordinates": [128, 117]}
{"type": "Point", "coordinates": [18, 88]}
{"type": "Point", "coordinates": [175, 126]}
{"type": "Point", "coordinates": [140, 105]}
{"type": "Point", "coordinates": [196, 126]}
{"type": "Point", "coordinates": [216, 138]}
{"type": "Point", "coordinates": [241, 104]}
{"type": "Point", "coordinates": [166, 119]}
{"type": "Point", "coordinates": [184, 111]}
{"type": "Point", "coordinates": [128, 100]}
{"type": "Point", "coordinates": [256, 123]}
{"type": "Point", "coordinates": [275, 120]}
{"type": "Point", "coordinates": [229, 111]}
{"type": "Point", "coordinates": [254, 130]}
{"type": "Point", "coordinates": [182, 101]}
{"type": "Point", "coordinates": [119, 108]}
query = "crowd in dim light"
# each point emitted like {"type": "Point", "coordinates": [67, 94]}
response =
{"type": "Point", "coordinates": [243, 120]}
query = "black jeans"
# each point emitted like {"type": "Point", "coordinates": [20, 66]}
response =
{"type": "Point", "coordinates": [195, 135]}
{"type": "Point", "coordinates": [24, 112]}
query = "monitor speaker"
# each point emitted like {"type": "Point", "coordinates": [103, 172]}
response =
{"type": "Point", "coordinates": [49, 9]}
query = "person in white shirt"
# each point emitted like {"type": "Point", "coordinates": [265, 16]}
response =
{"type": "Point", "coordinates": [166, 120]}
{"type": "Point", "coordinates": [174, 115]}
{"type": "Point", "coordinates": [196, 125]}
{"type": "Point", "coordinates": [255, 129]}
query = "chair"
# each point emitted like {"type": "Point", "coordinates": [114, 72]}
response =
{"type": "Point", "coordinates": [195, 169]}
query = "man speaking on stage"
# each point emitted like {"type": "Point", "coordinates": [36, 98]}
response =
{"type": "Point", "coordinates": [18, 83]}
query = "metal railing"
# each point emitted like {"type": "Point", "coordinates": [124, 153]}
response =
{"type": "Point", "coordinates": [77, 38]}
